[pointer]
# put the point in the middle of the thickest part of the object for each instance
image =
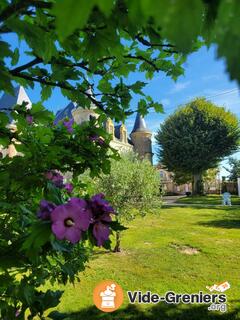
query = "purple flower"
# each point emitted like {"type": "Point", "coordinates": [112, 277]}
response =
{"type": "Point", "coordinates": [56, 178]}
{"type": "Point", "coordinates": [101, 232]}
{"type": "Point", "coordinates": [68, 187]}
{"type": "Point", "coordinates": [101, 218]}
{"type": "Point", "coordinates": [17, 313]}
{"type": "Point", "coordinates": [29, 119]}
{"type": "Point", "coordinates": [70, 220]}
{"type": "Point", "coordinates": [46, 208]}
{"type": "Point", "coordinates": [101, 207]}
{"type": "Point", "coordinates": [97, 139]}
{"type": "Point", "coordinates": [68, 125]}
{"type": "Point", "coordinates": [49, 175]}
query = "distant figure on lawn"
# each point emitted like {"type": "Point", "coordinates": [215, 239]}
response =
{"type": "Point", "coordinates": [226, 198]}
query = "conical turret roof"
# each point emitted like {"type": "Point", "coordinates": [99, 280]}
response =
{"type": "Point", "coordinates": [140, 124]}
{"type": "Point", "coordinates": [65, 112]}
{"type": "Point", "coordinates": [8, 101]}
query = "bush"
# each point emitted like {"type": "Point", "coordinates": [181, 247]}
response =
{"type": "Point", "coordinates": [132, 187]}
{"type": "Point", "coordinates": [47, 232]}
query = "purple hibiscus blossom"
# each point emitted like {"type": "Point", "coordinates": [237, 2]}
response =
{"type": "Point", "coordinates": [97, 139]}
{"type": "Point", "coordinates": [101, 218]}
{"type": "Point", "coordinates": [101, 232]}
{"type": "Point", "coordinates": [71, 219]}
{"type": "Point", "coordinates": [56, 178]}
{"type": "Point", "coordinates": [68, 187]}
{"type": "Point", "coordinates": [46, 208]}
{"type": "Point", "coordinates": [17, 313]}
{"type": "Point", "coordinates": [68, 125]}
{"type": "Point", "coordinates": [29, 119]}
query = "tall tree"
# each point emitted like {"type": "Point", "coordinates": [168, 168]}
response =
{"type": "Point", "coordinates": [196, 137]}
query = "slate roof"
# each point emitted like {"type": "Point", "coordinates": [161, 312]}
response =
{"type": "Point", "coordinates": [7, 101]}
{"type": "Point", "coordinates": [117, 131]}
{"type": "Point", "coordinates": [140, 124]}
{"type": "Point", "coordinates": [66, 112]}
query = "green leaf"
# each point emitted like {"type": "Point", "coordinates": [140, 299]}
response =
{"type": "Point", "coordinates": [46, 92]}
{"type": "Point", "coordinates": [37, 38]}
{"type": "Point", "coordinates": [117, 226]}
{"type": "Point", "coordinates": [44, 134]}
{"type": "Point", "coordinates": [15, 57]}
{"type": "Point", "coordinates": [4, 120]}
{"type": "Point", "coordinates": [138, 86]}
{"type": "Point", "coordinates": [71, 14]}
{"type": "Point", "coordinates": [51, 299]}
{"type": "Point", "coordinates": [39, 234]}
{"type": "Point", "coordinates": [5, 50]}
{"type": "Point", "coordinates": [104, 85]}
{"type": "Point", "coordinates": [5, 84]}
{"type": "Point", "coordinates": [142, 107]}
{"type": "Point", "coordinates": [158, 107]}
{"type": "Point", "coordinates": [4, 141]}
{"type": "Point", "coordinates": [105, 6]}
{"type": "Point", "coordinates": [36, 108]}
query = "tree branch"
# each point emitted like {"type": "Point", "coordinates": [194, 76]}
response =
{"type": "Point", "coordinates": [59, 85]}
{"type": "Point", "coordinates": [17, 7]}
{"type": "Point", "coordinates": [26, 66]}
{"type": "Point", "coordinates": [161, 45]}
{"type": "Point", "coordinates": [151, 63]}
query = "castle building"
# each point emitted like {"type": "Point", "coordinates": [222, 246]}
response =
{"type": "Point", "coordinates": [139, 140]}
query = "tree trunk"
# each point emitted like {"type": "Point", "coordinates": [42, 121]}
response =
{"type": "Point", "coordinates": [197, 184]}
{"type": "Point", "coordinates": [118, 240]}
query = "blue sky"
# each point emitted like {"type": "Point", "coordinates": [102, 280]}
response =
{"type": "Point", "coordinates": [204, 76]}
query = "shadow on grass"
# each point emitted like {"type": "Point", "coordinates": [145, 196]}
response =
{"type": "Point", "coordinates": [224, 223]}
{"type": "Point", "coordinates": [202, 207]}
{"type": "Point", "coordinates": [158, 312]}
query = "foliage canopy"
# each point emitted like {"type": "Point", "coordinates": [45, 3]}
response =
{"type": "Point", "coordinates": [196, 137]}
{"type": "Point", "coordinates": [74, 44]}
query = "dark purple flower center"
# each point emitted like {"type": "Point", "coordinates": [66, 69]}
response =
{"type": "Point", "coordinates": [69, 222]}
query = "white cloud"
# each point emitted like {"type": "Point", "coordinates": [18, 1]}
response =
{"type": "Point", "coordinates": [229, 98]}
{"type": "Point", "coordinates": [154, 141]}
{"type": "Point", "coordinates": [211, 77]}
{"type": "Point", "coordinates": [179, 86]}
{"type": "Point", "coordinates": [230, 101]}
{"type": "Point", "coordinates": [165, 102]}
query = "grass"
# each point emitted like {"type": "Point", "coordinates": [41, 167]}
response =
{"type": "Point", "coordinates": [151, 259]}
{"type": "Point", "coordinates": [213, 199]}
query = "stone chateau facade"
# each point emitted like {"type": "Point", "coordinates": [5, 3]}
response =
{"type": "Point", "coordinates": [139, 139]}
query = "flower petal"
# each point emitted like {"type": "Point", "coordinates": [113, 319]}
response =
{"type": "Point", "coordinates": [101, 232]}
{"type": "Point", "coordinates": [59, 213]}
{"type": "Point", "coordinates": [59, 229]}
{"type": "Point", "coordinates": [73, 234]}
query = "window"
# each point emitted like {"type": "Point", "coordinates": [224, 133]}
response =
{"type": "Point", "coordinates": [162, 175]}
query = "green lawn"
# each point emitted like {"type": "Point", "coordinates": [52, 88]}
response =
{"type": "Point", "coordinates": [152, 259]}
{"type": "Point", "coordinates": [215, 199]}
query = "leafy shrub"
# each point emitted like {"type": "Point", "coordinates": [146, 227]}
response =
{"type": "Point", "coordinates": [132, 187]}
{"type": "Point", "coordinates": [47, 231]}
